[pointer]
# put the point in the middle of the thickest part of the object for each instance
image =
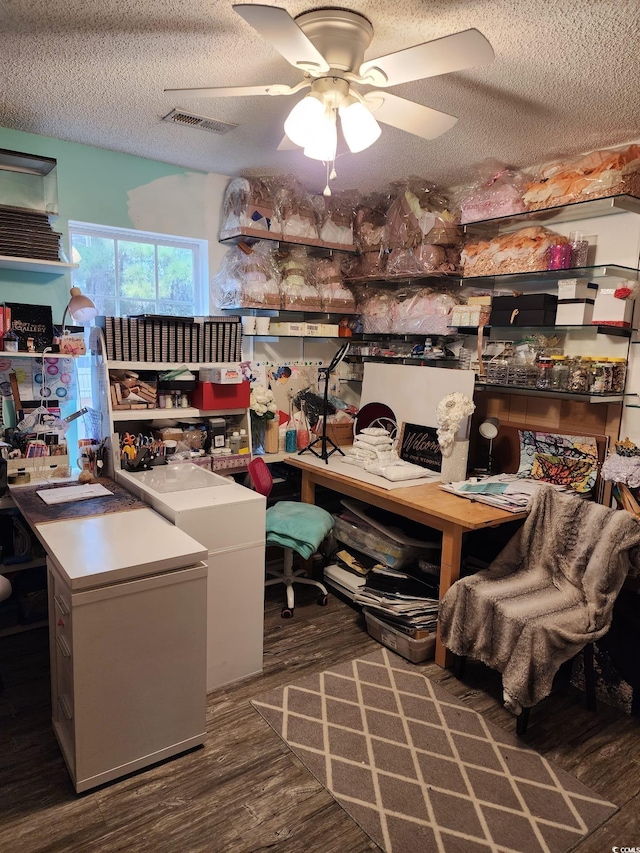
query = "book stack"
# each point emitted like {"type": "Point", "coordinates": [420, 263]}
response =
{"type": "Point", "coordinates": [128, 391]}
{"type": "Point", "coordinates": [174, 340]}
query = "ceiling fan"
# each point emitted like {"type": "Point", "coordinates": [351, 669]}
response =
{"type": "Point", "coordinates": [328, 46]}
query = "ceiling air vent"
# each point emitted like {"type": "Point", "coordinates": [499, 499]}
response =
{"type": "Point", "coordinates": [200, 122]}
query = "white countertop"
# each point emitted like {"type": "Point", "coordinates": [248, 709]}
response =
{"type": "Point", "coordinates": [189, 492]}
{"type": "Point", "coordinates": [121, 546]}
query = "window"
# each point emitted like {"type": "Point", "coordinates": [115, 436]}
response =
{"type": "Point", "coordinates": [137, 272]}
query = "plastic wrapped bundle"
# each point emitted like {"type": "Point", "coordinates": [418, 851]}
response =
{"type": "Point", "coordinates": [595, 175]}
{"type": "Point", "coordinates": [422, 310]}
{"type": "Point", "coordinates": [496, 191]}
{"type": "Point", "coordinates": [334, 296]}
{"type": "Point", "coordinates": [296, 214]}
{"type": "Point", "coordinates": [420, 214]}
{"type": "Point", "coordinates": [376, 309]}
{"type": "Point", "coordinates": [525, 250]}
{"type": "Point", "coordinates": [370, 224]}
{"type": "Point", "coordinates": [297, 291]}
{"type": "Point", "coordinates": [335, 221]}
{"type": "Point", "coordinates": [249, 209]}
{"type": "Point", "coordinates": [247, 278]}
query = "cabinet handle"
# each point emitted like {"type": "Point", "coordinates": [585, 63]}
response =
{"type": "Point", "coordinates": [66, 710]}
{"type": "Point", "coordinates": [61, 604]}
{"type": "Point", "coordinates": [64, 648]}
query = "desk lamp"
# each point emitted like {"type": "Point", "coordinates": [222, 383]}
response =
{"type": "Point", "coordinates": [80, 308]}
{"type": "Point", "coordinates": [489, 429]}
{"type": "Point", "coordinates": [323, 440]}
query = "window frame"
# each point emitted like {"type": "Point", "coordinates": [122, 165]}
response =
{"type": "Point", "coordinates": [200, 249]}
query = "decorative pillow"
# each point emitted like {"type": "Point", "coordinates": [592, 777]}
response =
{"type": "Point", "coordinates": [572, 446]}
{"type": "Point", "coordinates": [577, 473]}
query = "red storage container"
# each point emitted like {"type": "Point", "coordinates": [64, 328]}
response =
{"type": "Point", "coordinates": [210, 397]}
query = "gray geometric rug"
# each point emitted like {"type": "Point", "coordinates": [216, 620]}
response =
{"type": "Point", "coordinates": [422, 773]}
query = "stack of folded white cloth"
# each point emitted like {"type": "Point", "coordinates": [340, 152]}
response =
{"type": "Point", "coordinates": [374, 450]}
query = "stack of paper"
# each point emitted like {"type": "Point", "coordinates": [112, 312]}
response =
{"type": "Point", "coordinates": [505, 491]}
{"type": "Point", "coordinates": [408, 602]}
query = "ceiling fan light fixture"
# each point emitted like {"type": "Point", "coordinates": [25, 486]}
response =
{"type": "Point", "coordinates": [324, 141]}
{"type": "Point", "coordinates": [359, 127]}
{"type": "Point", "coordinates": [305, 119]}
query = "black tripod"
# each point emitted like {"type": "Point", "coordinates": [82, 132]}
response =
{"type": "Point", "coordinates": [323, 440]}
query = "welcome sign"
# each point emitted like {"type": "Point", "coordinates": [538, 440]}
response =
{"type": "Point", "coordinates": [419, 444]}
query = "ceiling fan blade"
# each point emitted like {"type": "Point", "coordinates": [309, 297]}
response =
{"type": "Point", "coordinates": [407, 115]}
{"type": "Point", "coordinates": [276, 26]}
{"type": "Point", "coordinates": [287, 145]}
{"type": "Point", "coordinates": [237, 91]}
{"type": "Point", "coordinates": [441, 56]}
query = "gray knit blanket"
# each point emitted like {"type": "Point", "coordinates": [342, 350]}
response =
{"type": "Point", "coordinates": [549, 592]}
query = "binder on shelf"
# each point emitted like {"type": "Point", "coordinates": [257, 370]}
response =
{"type": "Point", "coordinates": [133, 339]}
{"type": "Point", "coordinates": [172, 340]}
{"type": "Point", "coordinates": [148, 340]}
{"type": "Point", "coordinates": [180, 332]}
{"type": "Point", "coordinates": [156, 337]}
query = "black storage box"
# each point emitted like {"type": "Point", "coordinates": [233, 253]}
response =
{"type": "Point", "coordinates": [533, 309]}
{"type": "Point", "coordinates": [31, 321]}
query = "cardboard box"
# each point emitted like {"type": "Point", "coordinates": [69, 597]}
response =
{"type": "Point", "coordinates": [340, 433]}
{"type": "Point", "coordinates": [286, 329]}
{"type": "Point", "coordinates": [577, 288]}
{"type": "Point", "coordinates": [609, 311]}
{"type": "Point", "coordinates": [210, 397]}
{"type": "Point", "coordinates": [574, 312]}
{"type": "Point", "coordinates": [227, 375]}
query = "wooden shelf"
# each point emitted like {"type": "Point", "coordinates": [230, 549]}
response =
{"type": "Point", "coordinates": [170, 414]}
{"type": "Point", "coordinates": [285, 241]}
{"type": "Point", "coordinates": [35, 265]}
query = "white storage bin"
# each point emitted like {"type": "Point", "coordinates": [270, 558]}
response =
{"type": "Point", "coordinates": [414, 650]}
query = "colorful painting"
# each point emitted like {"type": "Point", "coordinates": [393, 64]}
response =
{"type": "Point", "coordinates": [563, 460]}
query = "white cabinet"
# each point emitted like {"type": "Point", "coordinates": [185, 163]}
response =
{"type": "Point", "coordinates": [127, 644]}
{"type": "Point", "coordinates": [229, 521]}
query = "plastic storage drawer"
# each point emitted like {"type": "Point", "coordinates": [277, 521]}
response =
{"type": "Point", "coordinates": [415, 651]}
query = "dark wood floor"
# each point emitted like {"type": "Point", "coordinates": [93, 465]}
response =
{"type": "Point", "coordinates": [244, 791]}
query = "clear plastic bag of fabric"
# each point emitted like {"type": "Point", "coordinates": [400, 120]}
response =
{"type": "Point", "coordinates": [297, 289]}
{"type": "Point", "coordinates": [249, 208]}
{"type": "Point", "coordinates": [421, 310]}
{"type": "Point", "coordinates": [598, 174]}
{"type": "Point", "coordinates": [335, 296]}
{"type": "Point", "coordinates": [247, 278]}
{"type": "Point", "coordinates": [295, 212]}
{"type": "Point", "coordinates": [495, 191]}
{"type": "Point", "coordinates": [526, 250]}
{"type": "Point", "coordinates": [376, 310]}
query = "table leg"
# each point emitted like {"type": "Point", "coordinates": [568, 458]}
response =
{"type": "Point", "coordinates": [307, 496]}
{"type": "Point", "coordinates": [307, 489]}
{"type": "Point", "coordinates": [449, 574]}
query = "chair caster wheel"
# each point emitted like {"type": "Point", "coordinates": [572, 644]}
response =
{"type": "Point", "coordinates": [287, 613]}
{"type": "Point", "coordinates": [323, 600]}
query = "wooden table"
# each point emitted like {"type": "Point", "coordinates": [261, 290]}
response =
{"type": "Point", "coordinates": [426, 504]}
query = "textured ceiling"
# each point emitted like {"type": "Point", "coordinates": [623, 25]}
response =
{"type": "Point", "coordinates": [565, 80]}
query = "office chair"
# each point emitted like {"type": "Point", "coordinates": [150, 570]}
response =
{"type": "Point", "coordinates": [5, 592]}
{"type": "Point", "coordinates": [294, 526]}
{"type": "Point", "coordinates": [547, 596]}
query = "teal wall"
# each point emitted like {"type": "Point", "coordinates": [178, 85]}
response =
{"type": "Point", "coordinates": [93, 186]}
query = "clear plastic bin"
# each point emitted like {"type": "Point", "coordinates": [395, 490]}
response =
{"type": "Point", "coordinates": [415, 651]}
{"type": "Point", "coordinates": [383, 542]}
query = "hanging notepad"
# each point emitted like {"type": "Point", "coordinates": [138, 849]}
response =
{"type": "Point", "coordinates": [67, 494]}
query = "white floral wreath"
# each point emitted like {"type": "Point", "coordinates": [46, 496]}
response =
{"type": "Point", "coordinates": [451, 411]}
